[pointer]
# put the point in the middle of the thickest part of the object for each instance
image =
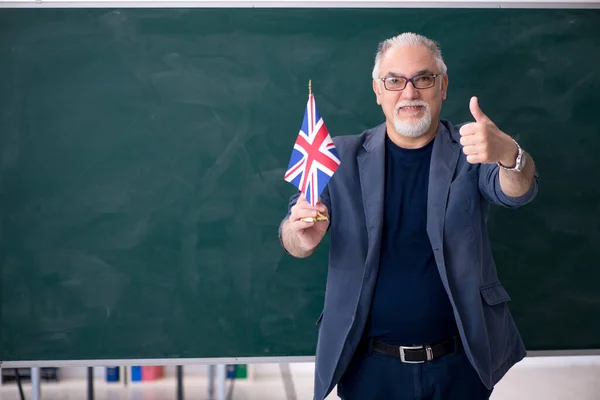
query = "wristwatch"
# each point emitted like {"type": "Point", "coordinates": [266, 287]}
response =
{"type": "Point", "coordinates": [519, 162]}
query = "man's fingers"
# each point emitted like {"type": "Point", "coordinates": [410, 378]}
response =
{"type": "Point", "coordinates": [302, 199]}
{"type": "Point", "coordinates": [474, 159]}
{"type": "Point", "coordinates": [302, 204]}
{"type": "Point", "coordinates": [468, 129]}
{"type": "Point", "coordinates": [476, 110]}
{"type": "Point", "coordinates": [306, 212]}
{"type": "Point", "coordinates": [299, 225]}
{"type": "Point", "coordinates": [321, 207]}
{"type": "Point", "coordinates": [305, 206]}
{"type": "Point", "coordinates": [302, 212]}
{"type": "Point", "coordinates": [469, 140]}
{"type": "Point", "coordinates": [470, 150]}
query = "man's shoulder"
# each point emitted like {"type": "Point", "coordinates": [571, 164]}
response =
{"type": "Point", "coordinates": [453, 130]}
{"type": "Point", "coordinates": [346, 143]}
{"type": "Point", "coordinates": [354, 141]}
{"type": "Point", "coordinates": [450, 126]}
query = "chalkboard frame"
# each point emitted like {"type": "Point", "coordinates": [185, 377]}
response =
{"type": "Point", "coordinates": [274, 4]}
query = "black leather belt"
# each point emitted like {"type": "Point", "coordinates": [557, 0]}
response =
{"type": "Point", "coordinates": [417, 354]}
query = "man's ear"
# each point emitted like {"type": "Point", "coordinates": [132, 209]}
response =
{"type": "Point", "coordinates": [444, 87]}
{"type": "Point", "coordinates": [377, 90]}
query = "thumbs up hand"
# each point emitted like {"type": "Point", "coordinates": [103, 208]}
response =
{"type": "Point", "coordinates": [483, 142]}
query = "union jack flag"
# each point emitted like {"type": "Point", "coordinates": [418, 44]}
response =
{"type": "Point", "coordinates": [314, 157]}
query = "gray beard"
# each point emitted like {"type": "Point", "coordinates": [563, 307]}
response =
{"type": "Point", "coordinates": [412, 129]}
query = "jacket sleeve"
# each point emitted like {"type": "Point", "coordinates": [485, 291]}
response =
{"type": "Point", "coordinates": [489, 186]}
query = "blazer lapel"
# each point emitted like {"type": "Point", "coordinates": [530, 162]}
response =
{"type": "Point", "coordinates": [443, 164]}
{"type": "Point", "coordinates": [371, 167]}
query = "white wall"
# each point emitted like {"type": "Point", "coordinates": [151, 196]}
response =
{"type": "Point", "coordinates": [258, 370]}
{"type": "Point", "coordinates": [272, 370]}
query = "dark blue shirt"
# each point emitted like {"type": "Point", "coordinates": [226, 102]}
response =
{"type": "Point", "coordinates": [410, 304]}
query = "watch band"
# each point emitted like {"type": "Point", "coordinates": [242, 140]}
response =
{"type": "Point", "coordinates": [519, 162]}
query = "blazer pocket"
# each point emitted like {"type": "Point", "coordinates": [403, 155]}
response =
{"type": "Point", "coordinates": [494, 294]}
{"type": "Point", "coordinates": [319, 319]}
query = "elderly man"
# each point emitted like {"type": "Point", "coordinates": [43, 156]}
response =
{"type": "Point", "coordinates": [413, 305]}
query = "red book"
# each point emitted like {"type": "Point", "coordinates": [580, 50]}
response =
{"type": "Point", "coordinates": [152, 373]}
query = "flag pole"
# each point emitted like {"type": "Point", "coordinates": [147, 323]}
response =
{"type": "Point", "coordinates": [319, 217]}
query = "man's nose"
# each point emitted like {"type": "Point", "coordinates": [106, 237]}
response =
{"type": "Point", "coordinates": [409, 92]}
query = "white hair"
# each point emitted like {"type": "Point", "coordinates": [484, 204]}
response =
{"type": "Point", "coordinates": [409, 39]}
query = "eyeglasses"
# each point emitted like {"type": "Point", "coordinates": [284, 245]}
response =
{"type": "Point", "coordinates": [422, 81]}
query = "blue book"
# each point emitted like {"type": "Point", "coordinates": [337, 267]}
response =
{"type": "Point", "coordinates": [112, 374]}
{"type": "Point", "coordinates": [230, 371]}
{"type": "Point", "coordinates": [136, 374]}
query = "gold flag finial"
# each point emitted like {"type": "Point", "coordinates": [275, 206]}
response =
{"type": "Point", "coordinates": [309, 87]}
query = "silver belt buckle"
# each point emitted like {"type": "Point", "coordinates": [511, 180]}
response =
{"type": "Point", "coordinates": [403, 356]}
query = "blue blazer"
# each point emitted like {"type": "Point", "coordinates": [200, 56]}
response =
{"type": "Point", "coordinates": [459, 196]}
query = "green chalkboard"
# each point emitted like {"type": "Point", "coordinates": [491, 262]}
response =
{"type": "Point", "coordinates": [142, 154]}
